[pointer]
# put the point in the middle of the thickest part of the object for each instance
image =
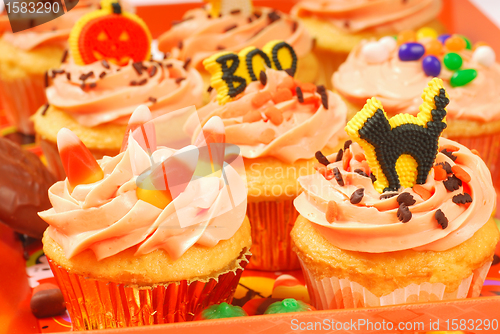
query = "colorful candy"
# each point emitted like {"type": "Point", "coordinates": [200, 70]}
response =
{"type": "Point", "coordinates": [288, 305]}
{"type": "Point", "coordinates": [411, 51]}
{"type": "Point", "coordinates": [47, 301]}
{"type": "Point", "coordinates": [406, 36]}
{"type": "Point", "coordinates": [443, 38]}
{"type": "Point", "coordinates": [468, 44]}
{"type": "Point", "coordinates": [375, 52]}
{"type": "Point", "coordinates": [146, 136]}
{"type": "Point", "coordinates": [221, 311]}
{"type": "Point", "coordinates": [431, 66]}
{"type": "Point", "coordinates": [463, 77]}
{"type": "Point", "coordinates": [455, 43]}
{"type": "Point", "coordinates": [433, 47]}
{"type": "Point", "coordinates": [389, 42]}
{"type": "Point", "coordinates": [426, 32]}
{"type": "Point", "coordinates": [452, 61]}
{"type": "Point", "coordinates": [484, 55]}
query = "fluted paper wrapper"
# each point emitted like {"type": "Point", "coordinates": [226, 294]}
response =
{"type": "Point", "coordinates": [96, 304]}
{"type": "Point", "coordinates": [21, 98]}
{"type": "Point", "coordinates": [272, 222]}
{"type": "Point", "coordinates": [335, 293]}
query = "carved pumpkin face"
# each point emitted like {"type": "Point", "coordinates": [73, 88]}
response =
{"type": "Point", "coordinates": [110, 34]}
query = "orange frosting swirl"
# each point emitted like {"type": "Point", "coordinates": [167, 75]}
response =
{"type": "Point", "coordinates": [373, 226]}
{"type": "Point", "coordinates": [398, 85]}
{"type": "Point", "coordinates": [305, 127]}
{"type": "Point", "coordinates": [199, 35]}
{"type": "Point", "coordinates": [111, 93]}
{"type": "Point", "coordinates": [378, 16]}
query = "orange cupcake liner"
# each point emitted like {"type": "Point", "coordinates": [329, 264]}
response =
{"type": "Point", "coordinates": [337, 293]}
{"type": "Point", "coordinates": [96, 304]}
{"type": "Point", "coordinates": [21, 98]}
{"type": "Point", "coordinates": [272, 222]}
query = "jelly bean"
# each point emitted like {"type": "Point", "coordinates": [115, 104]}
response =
{"type": "Point", "coordinates": [426, 32]}
{"type": "Point", "coordinates": [478, 44]}
{"type": "Point", "coordinates": [463, 77]}
{"type": "Point", "coordinates": [468, 44]}
{"type": "Point", "coordinates": [452, 61]}
{"type": "Point", "coordinates": [411, 51]}
{"type": "Point", "coordinates": [443, 38]}
{"type": "Point", "coordinates": [484, 55]}
{"type": "Point", "coordinates": [455, 43]}
{"type": "Point", "coordinates": [431, 66]}
{"type": "Point", "coordinates": [389, 42]}
{"type": "Point", "coordinates": [375, 52]}
{"type": "Point", "coordinates": [433, 47]}
{"type": "Point", "coordinates": [47, 301]}
{"type": "Point", "coordinates": [406, 36]}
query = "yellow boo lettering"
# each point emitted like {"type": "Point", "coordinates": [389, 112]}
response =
{"type": "Point", "coordinates": [232, 72]}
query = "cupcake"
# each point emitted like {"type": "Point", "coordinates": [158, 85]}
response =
{"type": "Point", "coordinates": [338, 26]}
{"type": "Point", "coordinates": [146, 237]}
{"type": "Point", "coordinates": [404, 218]}
{"type": "Point", "coordinates": [25, 57]}
{"type": "Point", "coordinates": [205, 31]}
{"type": "Point", "coordinates": [395, 75]}
{"type": "Point", "coordinates": [279, 124]}
{"type": "Point", "coordinates": [95, 98]}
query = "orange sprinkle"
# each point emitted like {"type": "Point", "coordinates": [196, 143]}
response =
{"type": "Point", "coordinates": [252, 116]}
{"type": "Point", "coordinates": [439, 173]}
{"type": "Point", "coordinates": [282, 94]}
{"type": "Point", "coordinates": [310, 98]}
{"type": "Point", "coordinates": [287, 83]}
{"type": "Point", "coordinates": [476, 152]}
{"type": "Point", "coordinates": [274, 114]}
{"type": "Point", "coordinates": [478, 44]}
{"type": "Point", "coordinates": [449, 147]}
{"type": "Point", "coordinates": [360, 157]}
{"type": "Point", "coordinates": [422, 192]}
{"type": "Point", "coordinates": [346, 159]}
{"type": "Point", "coordinates": [261, 98]}
{"type": "Point", "coordinates": [455, 43]}
{"type": "Point", "coordinates": [331, 211]}
{"type": "Point", "coordinates": [406, 36]}
{"type": "Point", "coordinates": [461, 173]}
{"type": "Point", "coordinates": [306, 87]}
{"type": "Point", "coordinates": [267, 136]}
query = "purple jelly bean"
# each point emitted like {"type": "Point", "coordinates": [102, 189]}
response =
{"type": "Point", "coordinates": [431, 66]}
{"type": "Point", "coordinates": [443, 38]}
{"type": "Point", "coordinates": [411, 51]}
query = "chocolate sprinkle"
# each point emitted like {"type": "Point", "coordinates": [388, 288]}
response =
{"type": "Point", "coordinates": [176, 22]}
{"type": "Point", "coordinates": [324, 98]}
{"type": "Point", "coordinates": [462, 199]}
{"type": "Point", "coordinates": [209, 89]}
{"type": "Point", "coordinates": [387, 195]}
{"type": "Point", "coordinates": [347, 144]}
{"type": "Point", "coordinates": [452, 183]}
{"type": "Point", "coordinates": [65, 56]}
{"type": "Point", "coordinates": [300, 95]}
{"type": "Point", "coordinates": [57, 71]}
{"type": "Point", "coordinates": [138, 67]}
{"type": "Point", "coordinates": [360, 172]}
{"type": "Point", "coordinates": [250, 20]}
{"type": "Point", "coordinates": [235, 11]}
{"type": "Point", "coordinates": [153, 71]}
{"type": "Point", "coordinates": [357, 196]}
{"type": "Point", "coordinates": [142, 82]}
{"type": "Point", "coordinates": [92, 85]}
{"type": "Point", "coordinates": [46, 79]}
{"type": "Point", "coordinates": [234, 26]}
{"type": "Point", "coordinates": [441, 219]}
{"type": "Point", "coordinates": [273, 16]}
{"type": "Point", "coordinates": [180, 45]}
{"type": "Point", "coordinates": [294, 26]}
{"type": "Point", "coordinates": [169, 65]}
{"type": "Point", "coordinates": [45, 108]}
{"type": "Point", "coordinates": [186, 63]}
{"type": "Point", "coordinates": [68, 76]}
{"type": "Point", "coordinates": [257, 14]}
{"type": "Point", "coordinates": [85, 76]}
{"type": "Point", "coordinates": [105, 64]}
{"type": "Point", "coordinates": [263, 78]}
{"type": "Point", "coordinates": [133, 83]}
{"type": "Point", "coordinates": [152, 99]}
{"type": "Point", "coordinates": [373, 177]}
{"type": "Point", "coordinates": [404, 214]}
{"type": "Point", "coordinates": [449, 154]}
{"type": "Point", "coordinates": [321, 158]}
{"type": "Point", "coordinates": [338, 176]}
{"type": "Point", "coordinates": [347, 24]}
{"type": "Point", "coordinates": [290, 72]}
{"type": "Point", "coordinates": [446, 166]}
{"type": "Point", "coordinates": [340, 155]}
{"type": "Point", "coordinates": [102, 75]}
{"type": "Point", "coordinates": [406, 199]}
{"type": "Point", "coordinates": [179, 80]}
{"type": "Point", "coordinates": [220, 47]}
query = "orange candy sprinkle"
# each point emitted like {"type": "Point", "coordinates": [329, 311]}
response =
{"type": "Point", "coordinates": [461, 173]}
{"type": "Point", "coordinates": [422, 192]}
{"type": "Point", "coordinates": [287, 83]}
{"type": "Point", "coordinates": [434, 47]}
{"type": "Point", "coordinates": [331, 211]}
{"type": "Point", "coordinates": [261, 98]}
{"type": "Point", "coordinates": [449, 147]}
{"type": "Point", "coordinates": [406, 36]}
{"type": "Point", "coordinates": [252, 116]}
{"type": "Point", "coordinates": [439, 173]}
{"type": "Point", "coordinates": [476, 152]}
{"type": "Point", "coordinates": [310, 98]}
{"type": "Point", "coordinates": [281, 95]}
{"type": "Point", "coordinates": [346, 159]}
{"type": "Point", "coordinates": [455, 43]}
{"type": "Point", "coordinates": [274, 114]}
{"type": "Point", "coordinates": [360, 157]}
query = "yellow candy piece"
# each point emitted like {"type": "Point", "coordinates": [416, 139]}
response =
{"type": "Point", "coordinates": [426, 33]}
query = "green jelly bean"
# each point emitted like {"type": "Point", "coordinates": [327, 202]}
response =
{"type": "Point", "coordinates": [469, 45]}
{"type": "Point", "coordinates": [452, 61]}
{"type": "Point", "coordinates": [463, 77]}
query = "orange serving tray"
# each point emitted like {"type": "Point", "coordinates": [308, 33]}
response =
{"type": "Point", "coordinates": [15, 292]}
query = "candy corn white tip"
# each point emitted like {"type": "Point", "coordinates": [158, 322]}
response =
{"type": "Point", "coordinates": [141, 115]}
{"type": "Point", "coordinates": [65, 138]}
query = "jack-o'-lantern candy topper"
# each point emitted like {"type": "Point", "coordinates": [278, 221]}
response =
{"type": "Point", "coordinates": [401, 151]}
{"type": "Point", "coordinates": [232, 72]}
{"type": "Point", "coordinates": [110, 33]}
{"type": "Point", "coordinates": [225, 7]}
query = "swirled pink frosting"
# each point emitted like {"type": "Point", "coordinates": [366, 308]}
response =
{"type": "Point", "coordinates": [398, 85]}
{"type": "Point", "coordinates": [107, 217]}
{"type": "Point", "coordinates": [199, 36]}
{"type": "Point", "coordinates": [306, 127]}
{"type": "Point", "coordinates": [54, 32]}
{"type": "Point", "coordinates": [372, 226]}
{"type": "Point", "coordinates": [163, 86]}
{"type": "Point", "coordinates": [375, 15]}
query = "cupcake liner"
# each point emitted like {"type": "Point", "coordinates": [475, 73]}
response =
{"type": "Point", "coordinates": [488, 147]}
{"type": "Point", "coordinates": [21, 98]}
{"type": "Point", "coordinates": [271, 223]}
{"type": "Point", "coordinates": [96, 304]}
{"type": "Point", "coordinates": [335, 293]}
